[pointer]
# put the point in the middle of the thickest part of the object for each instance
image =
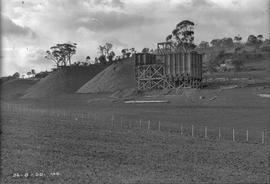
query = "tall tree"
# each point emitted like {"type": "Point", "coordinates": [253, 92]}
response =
{"type": "Point", "coordinates": [227, 42]}
{"type": "Point", "coordinates": [111, 56]}
{"type": "Point", "coordinates": [260, 39]}
{"type": "Point", "coordinates": [16, 75]}
{"type": "Point", "coordinates": [33, 71]}
{"type": "Point", "coordinates": [108, 47]}
{"type": "Point", "coordinates": [237, 39]}
{"type": "Point", "coordinates": [61, 54]}
{"type": "Point", "coordinates": [102, 49]}
{"type": "Point", "coordinates": [216, 43]}
{"type": "Point", "coordinates": [69, 49]}
{"type": "Point", "coordinates": [96, 60]}
{"type": "Point", "coordinates": [87, 59]}
{"type": "Point", "coordinates": [204, 45]}
{"type": "Point", "coordinates": [145, 50]}
{"type": "Point", "coordinates": [132, 51]}
{"type": "Point", "coordinates": [124, 52]}
{"type": "Point", "coordinates": [105, 53]}
{"type": "Point", "coordinates": [182, 36]}
{"type": "Point", "coordinates": [252, 40]}
{"type": "Point", "coordinates": [55, 56]}
{"type": "Point", "coordinates": [102, 59]}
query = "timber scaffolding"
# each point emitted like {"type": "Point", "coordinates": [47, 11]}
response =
{"type": "Point", "coordinates": [168, 69]}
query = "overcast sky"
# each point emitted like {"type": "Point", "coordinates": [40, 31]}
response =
{"type": "Point", "coordinates": [31, 27]}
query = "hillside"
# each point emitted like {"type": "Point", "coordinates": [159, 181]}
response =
{"type": "Point", "coordinates": [63, 81]}
{"type": "Point", "coordinates": [14, 88]}
{"type": "Point", "coordinates": [117, 78]}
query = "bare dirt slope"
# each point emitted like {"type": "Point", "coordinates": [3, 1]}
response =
{"type": "Point", "coordinates": [63, 81]}
{"type": "Point", "coordinates": [117, 78]}
{"type": "Point", "coordinates": [15, 88]}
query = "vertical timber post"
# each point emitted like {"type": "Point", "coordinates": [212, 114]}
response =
{"type": "Point", "coordinates": [233, 137]}
{"type": "Point", "coordinates": [140, 124]}
{"type": "Point", "coordinates": [205, 132]}
{"type": "Point", "coordinates": [247, 135]}
{"type": "Point", "coordinates": [192, 131]}
{"type": "Point", "coordinates": [149, 122]}
{"type": "Point", "coordinates": [159, 126]}
{"type": "Point", "coordinates": [181, 129]}
{"type": "Point", "coordinates": [263, 137]}
{"type": "Point", "coordinates": [112, 121]}
{"type": "Point", "coordinates": [219, 134]}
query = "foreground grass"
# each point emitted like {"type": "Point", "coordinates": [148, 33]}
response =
{"type": "Point", "coordinates": [84, 153]}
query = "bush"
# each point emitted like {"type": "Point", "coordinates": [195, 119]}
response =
{"type": "Point", "coordinates": [238, 64]}
{"type": "Point", "coordinates": [41, 75]}
{"type": "Point", "coordinates": [215, 60]}
{"type": "Point", "coordinates": [265, 48]}
{"type": "Point", "coordinates": [16, 75]}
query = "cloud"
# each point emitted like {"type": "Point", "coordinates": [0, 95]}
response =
{"type": "Point", "coordinates": [125, 23]}
{"type": "Point", "coordinates": [118, 3]}
{"type": "Point", "coordinates": [12, 29]}
{"type": "Point", "coordinates": [201, 3]}
{"type": "Point", "coordinates": [113, 3]}
{"type": "Point", "coordinates": [27, 59]}
{"type": "Point", "coordinates": [109, 21]}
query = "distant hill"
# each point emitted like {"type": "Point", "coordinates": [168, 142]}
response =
{"type": "Point", "coordinates": [15, 88]}
{"type": "Point", "coordinates": [63, 81]}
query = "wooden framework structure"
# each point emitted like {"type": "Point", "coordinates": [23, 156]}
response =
{"type": "Point", "coordinates": [168, 70]}
{"type": "Point", "coordinates": [151, 77]}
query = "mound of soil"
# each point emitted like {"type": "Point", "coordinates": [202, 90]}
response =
{"type": "Point", "coordinates": [63, 81]}
{"type": "Point", "coordinates": [15, 88]}
{"type": "Point", "coordinates": [118, 78]}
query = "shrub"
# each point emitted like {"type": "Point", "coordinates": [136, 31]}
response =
{"type": "Point", "coordinates": [238, 64]}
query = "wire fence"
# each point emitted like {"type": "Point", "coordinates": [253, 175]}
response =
{"type": "Point", "coordinates": [117, 122]}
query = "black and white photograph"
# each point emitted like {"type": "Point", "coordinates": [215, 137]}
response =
{"type": "Point", "coordinates": [135, 92]}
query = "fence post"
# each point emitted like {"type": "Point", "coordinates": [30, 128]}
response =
{"type": "Point", "coordinates": [159, 126]}
{"type": "Point", "coordinates": [112, 121]}
{"type": "Point", "coordinates": [140, 124]}
{"type": "Point", "coordinates": [263, 137]}
{"type": "Point", "coordinates": [247, 136]}
{"type": "Point", "coordinates": [219, 134]}
{"type": "Point", "coordinates": [181, 129]}
{"type": "Point", "coordinates": [192, 130]}
{"type": "Point", "coordinates": [233, 135]}
{"type": "Point", "coordinates": [149, 124]}
{"type": "Point", "coordinates": [205, 132]}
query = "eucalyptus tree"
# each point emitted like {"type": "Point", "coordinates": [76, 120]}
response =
{"type": "Point", "coordinates": [61, 54]}
{"type": "Point", "coordinates": [182, 37]}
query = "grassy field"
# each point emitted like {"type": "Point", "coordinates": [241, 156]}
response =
{"type": "Point", "coordinates": [236, 108]}
{"type": "Point", "coordinates": [81, 152]}
{"type": "Point", "coordinates": [69, 150]}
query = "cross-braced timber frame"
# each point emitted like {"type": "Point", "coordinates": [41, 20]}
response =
{"type": "Point", "coordinates": [152, 77]}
